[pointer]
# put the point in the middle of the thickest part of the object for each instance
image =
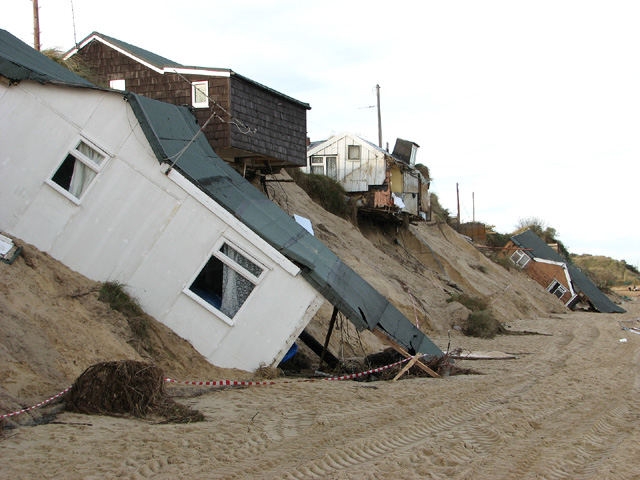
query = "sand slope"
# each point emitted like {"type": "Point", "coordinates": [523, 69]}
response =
{"type": "Point", "coordinates": [564, 408]}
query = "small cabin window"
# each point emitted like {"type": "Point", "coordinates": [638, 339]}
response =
{"type": "Point", "coordinates": [520, 258]}
{"type": "Point", "coordinates": [354, 152]}
{"type": "Point", "coordinates": [117, 84]}
{"type": "Point", "coordinates": [200, 94]}
{"type": "Point", "coordinates": [557, 289]}
{"type": "Point", "coordinates": [226, 280]}
{"type": "Point", "coordinates": [78, 170]}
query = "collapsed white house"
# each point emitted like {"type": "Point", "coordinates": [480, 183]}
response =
{"type": "Point", "coordinates": [120, 187]}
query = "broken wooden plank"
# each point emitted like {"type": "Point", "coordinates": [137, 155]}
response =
{"type": "Point", "coordinates": [385, 339]}
{"type": "Point", "coordinates": [406, 367]}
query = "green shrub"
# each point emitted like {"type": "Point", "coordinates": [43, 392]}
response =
{"type": "Point", "coordinates": [482, 324]}
{"type": "Point", "coordinates": [325, 191]}
{"type": "Point", "coordinates": [502, 260]}
{"type": "Point", "coordinates": [115, 295]}
{"type": "Point", "coordinates": [474, 304]}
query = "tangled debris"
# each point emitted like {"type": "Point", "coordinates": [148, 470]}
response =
{"type": "Point", "coordinates": [442, 365]}
{"type": "Point", "coordinates": [127, 387]}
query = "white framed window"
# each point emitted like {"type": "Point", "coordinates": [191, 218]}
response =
{"type": "Point", "coordinates": [354, 152]}
{"type": "Point", "coordinates": [200, 94]}
{"type": "Point", "coordinates": [225, 282]}
{"type": "Point", "coordinates": [520, 258]}
{"type": "Point", "coordinates": [557, 289]}
{"type": "Point", "coordinates": [117, 84]}
{"type": "Point", "coordinates": [78, 170]}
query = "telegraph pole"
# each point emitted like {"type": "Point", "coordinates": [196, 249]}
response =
{"type": "Point", "coordinates": [473, 200]}
{"type": "Point", "coordinates": [379, 117]}
{"type": "Point", "coordinates": [458, 201]}
{"type": "Point", "coordinates": [36, 26]}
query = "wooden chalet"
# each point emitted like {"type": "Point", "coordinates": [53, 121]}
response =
{"type": "Point", "coordinates": [377, 180]}
{"type": "Point", "coordinates": [247, 124]}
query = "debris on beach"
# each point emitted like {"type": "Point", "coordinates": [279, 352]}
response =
{"type": "Point", "coordinates": [127, 387]}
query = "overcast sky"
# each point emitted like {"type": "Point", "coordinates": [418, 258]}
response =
{"type": "Point", "coordinates": [532, 106]}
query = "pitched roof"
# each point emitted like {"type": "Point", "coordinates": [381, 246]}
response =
{"type": "Point", "coordinates": [141, 53]}
{"type": "Point", "coordinates": [169, 130]}
{"type": "Point", "coordinates": [18, 61]}
{"type": "Point", "coordinates": [163, 64]}
{"type": "Point", "coordinates": [539, 249]}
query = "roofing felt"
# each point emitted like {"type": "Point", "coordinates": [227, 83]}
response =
{"type": "Point", "coordinates": [141, 53]}
{"type": "Point", "coordinates": [581, 283]}
{"type": "Point", "coordinates": [161, 62]}
{"type": "Point", "coordinates": [169, 129]}
{"type": "Point", "coordinates": [19, 61]}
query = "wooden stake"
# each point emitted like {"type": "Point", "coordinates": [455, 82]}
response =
{"type": "Point", "coordinates": [385, 339]}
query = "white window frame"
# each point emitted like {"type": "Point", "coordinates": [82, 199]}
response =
{"type": "Point", "coordinates": [194, 89]}
{"type": "Point", "coordinates": [216, 252]}
{"type": "Point", "coordinates": [359, 150]}
{"type": "Point", "coordinates": [87, 162]}
{"type": "Point", "coordinates": [521, 255]}
{"type": "Point", "coordinates": [559, 288]}
{"type": "Point", "coordinates": [118, 84]}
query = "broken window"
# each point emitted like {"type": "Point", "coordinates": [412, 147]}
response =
{"type": "Point", "coordinates": [200, 94]}
{"type": "Point", "coordinates": [78, 169]}
{"type": "Point", "coordinates": [354, 152]}
{"type": "Point", "coordinates": [227, 280]}
{"type": "Point", "coordinates": [520, 258]}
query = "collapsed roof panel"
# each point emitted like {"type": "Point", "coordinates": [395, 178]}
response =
{"type": "Point", "coordinates": [338, 283]}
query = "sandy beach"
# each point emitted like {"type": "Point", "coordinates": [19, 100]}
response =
{"type": "Point", "coordinates": [566, 407]}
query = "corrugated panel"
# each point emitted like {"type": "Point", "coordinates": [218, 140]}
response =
{"type": "Point", "coordinates": [540, 249]}
{"type": "Point", "coordinates": [169, 128]}
{"type": "Point", "coordinates": [18, 61]}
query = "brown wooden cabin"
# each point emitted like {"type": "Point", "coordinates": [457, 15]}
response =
{"type": "Point", "coordinates": [248, 124]}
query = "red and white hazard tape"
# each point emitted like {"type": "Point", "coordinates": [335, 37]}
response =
{"type": "Point", "coordinates": [229, 382]}
{"type": "Point", "coordinates": [38, 405]}
{"type": "Point", "coordinates": [221, 383]}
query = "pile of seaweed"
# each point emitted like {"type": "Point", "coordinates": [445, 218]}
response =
{"type": "Point", "coordinates": [127, 387]}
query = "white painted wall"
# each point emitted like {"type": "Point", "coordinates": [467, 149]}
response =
{"type": "Point", "coordinates": [136, 225]}
{"type": "Point", "coordinates": [354, 175]}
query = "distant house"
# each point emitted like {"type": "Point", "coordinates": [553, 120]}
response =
{"type": "Point", "coordinates": [248, 124]}
{"type": "Point", "coordinates": [130, 191]}
{"type": "Point", "coordinates": [561, 278]}
{"type": "Point", "coordinates": [375, 178]}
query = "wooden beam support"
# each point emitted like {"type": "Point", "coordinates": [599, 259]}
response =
{"type": "Point", "coordinates": [406, 367]}
{"type": "Point", "coordinates": [385, 339]}
{"type": "Point", "coordinates": [329, 332]}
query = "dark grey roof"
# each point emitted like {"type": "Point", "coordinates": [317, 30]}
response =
{"type": "Point", "coordinates": [18, 61]}
{"type": "Point", "coordinates": [403, 149]}
{"type": "Point", "coordinates": [140, 53]}
{"type": "Point", "coordinates": [162, 62]}
{"type": "Point", "coordinates": [169, 129]}
{"type": "Point", "coordinates": [582, 284]}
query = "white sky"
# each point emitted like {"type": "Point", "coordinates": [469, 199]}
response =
{"type": "Point", "coordinates": [533, 106]}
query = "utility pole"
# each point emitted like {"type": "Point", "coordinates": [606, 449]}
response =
{"type": "Point", "coordinates": [458, 201]}
{"type": "Point", "coordinates": [473, 200]}
{"type": "Point", "coordinates": [36, 26]}
{"type": "Point", "coordinates": [379, 117]}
